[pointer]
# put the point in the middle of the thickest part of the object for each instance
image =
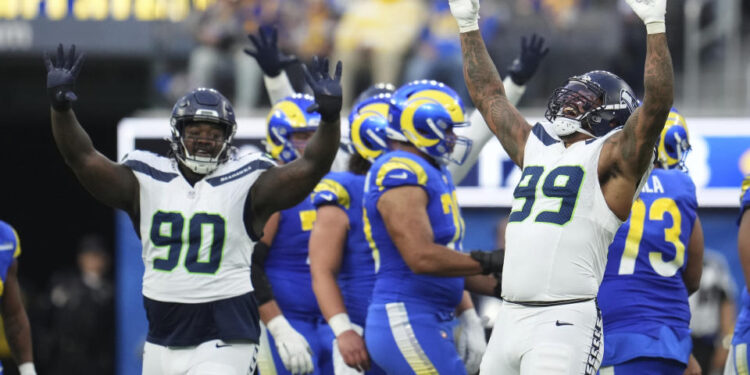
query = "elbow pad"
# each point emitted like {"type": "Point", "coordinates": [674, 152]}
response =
{"type": "Point", "coordinates": [263, 292]}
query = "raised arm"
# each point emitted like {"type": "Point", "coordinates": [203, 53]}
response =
{"type": "Point", "coordinates": [272, 62]}
{"type": "Point", "coordinates": [633, 148]}
{"type": "Point", "coordinates": [283, 187]}
{"type": "Point", "coordinates": [109, 182]}
{"type": "Point", "coordinates": [520, 71]}
{"type": "Point", "coordinates": [484, 83]}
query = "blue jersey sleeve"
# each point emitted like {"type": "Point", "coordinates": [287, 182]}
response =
{"type": "Point", "coordinates": [331, 191]}
{"type": "Point", "coordinates": [400, 171]}
{"type": "Point", "coordinates": [9, 239]}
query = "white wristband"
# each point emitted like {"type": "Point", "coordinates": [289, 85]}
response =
{"type": "Point", "coordinates": [340, 323]}
{"type": "Point", "coordinates": [278, 324]}
{"type": "Point", "coordinates": [656, 27]}
{"type": "Point", "coordinates": [27, 369]}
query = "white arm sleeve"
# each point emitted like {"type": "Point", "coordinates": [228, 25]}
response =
{"type": "Point", "coordinates": [278, 87]}
{"type": "Point", "coordinates": [480, 133]}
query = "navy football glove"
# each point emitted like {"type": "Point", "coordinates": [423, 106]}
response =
{"type": "Point", "coordinates": [524, 66]}
{"type": "Point", "coordinates": [327, 89]}
{"type": "Point", "coordinates": [491, 261]}
{"type": "Point", "coordinates": [61, 77]}
{"type": "Point", "coordinates": [267, 53]}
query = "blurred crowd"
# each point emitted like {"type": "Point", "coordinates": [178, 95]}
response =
{"type": "Point", "coordinates": [401, 40]}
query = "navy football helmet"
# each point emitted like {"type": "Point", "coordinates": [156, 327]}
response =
{"type": "Point", "coordinates": [593, 103]}
{"type": "Point", "coordinates": [202, 105]}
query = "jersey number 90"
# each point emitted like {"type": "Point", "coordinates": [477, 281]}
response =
{"type": "Point", "coordinates": [173, 238]}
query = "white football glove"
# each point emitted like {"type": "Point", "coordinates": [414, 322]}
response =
{"type": "Point", "coordinates": [293, 349]}
{"type": "Point", "coordinates": [652, 12]}
{"type": "Point", "coordinates": [471, 342]}
{"type": "Point", "coordinates": [466, 13]}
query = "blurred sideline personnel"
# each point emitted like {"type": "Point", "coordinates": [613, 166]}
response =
{"type": "Point", "coordinates": [737, 362]}
{"type": "Point", "coordinates": [654, 264]}
{"type": "Point", "coordinates": [282, 256]}
{"type": "Point", "coordinates": [80, 318]}
{"type": "Point", "coordinates": [337, 244]}
{"type": "Point", "coordinates": [202, 315]}
{"type": "Point", "coordinates": [15, 320]}
{"type": "Point", "coordinates": [576, 189]}
{"type": "Point", "coordinates": [713, 313]}
{"type": "Point", "coordinates": [414, 228]}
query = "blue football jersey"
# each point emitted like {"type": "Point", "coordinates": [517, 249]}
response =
{"type": "Point", "coordinates": [288, 265]}
{"type": "Point", "coordinates": [395, 281]}
{"type": "Point", "coordinates": [10, 249]}
{"type": "Point", "coordinates": [643, 298]}
{"type": "Point", "coordinates": [357, 273]}
{"type": "Point", "coordinates": [742, 327]}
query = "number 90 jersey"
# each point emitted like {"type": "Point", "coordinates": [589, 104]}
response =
{"type": "Point", "coordinates": [560, 225]}
{"type": "Point", "coordinates": [395, 282]}
{"type": "Point", "coordinates": [195, 245]}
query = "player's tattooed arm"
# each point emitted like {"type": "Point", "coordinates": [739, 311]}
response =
{"type": "Point", "coordinates": [15, 320]}
{"type": "Point", "coordinates": [283, 187]}
{"type": "Point", "coordinates": [635, 146]}
{"type": "Point", "coordinates": [109, 182]}
{"type": "Point", "coordinates": [488, 94]}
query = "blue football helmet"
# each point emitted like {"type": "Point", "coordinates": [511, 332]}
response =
{"type": "Point", "coordinates": [368, 122]}
{"type": "Point", "coordinates": [201, 105]}
{"type": "Point", "coordinates": [593, 103]}
{"type": "Point", "coordinates": [289, 116]}
{"type": "Point", "coordinates": [424, 114]}
{"type": "Point", "coordinates": [674, 142]}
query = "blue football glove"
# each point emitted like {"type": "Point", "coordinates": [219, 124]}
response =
{"type": "Point", "coordinates": [267, 53]}
{"type": "Point", "coordinates": [61, 77]}
{"type": "Point", "coordinates": [327, 89]}
{"type": "Point", "coordinates": [524, 66]}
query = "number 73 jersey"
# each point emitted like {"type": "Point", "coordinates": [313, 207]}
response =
{"type": "Point", "coordinates": [560, 225]}
{"type": "Point", "coordinates": [195, 245]}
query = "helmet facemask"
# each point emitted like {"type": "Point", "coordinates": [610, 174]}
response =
{"type": "Point", "coordinates": [197, 163]}
{"type": "Point", "coordinates": [571, 107]}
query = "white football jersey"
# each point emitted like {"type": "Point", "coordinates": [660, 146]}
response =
{"type": "Point", "coordinates": [195, 245]}
{"type": "Point", "coordinates": [560, 226]}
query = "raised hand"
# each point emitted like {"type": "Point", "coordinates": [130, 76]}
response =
{"type": "Point", "coordinates": [327, 89]}
{"type": "Point", "coordinates": [267, 53]}
{"type": "Point", "coordinates": [652, 12]}
{"type": "Point", "coordinates": [61, 77]}
{"type": "Point", "coordinates": [466, 13]}
{"type": "Point", "coordinates": [525, 65]}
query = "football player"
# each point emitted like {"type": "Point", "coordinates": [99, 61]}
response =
{"type": "Point", "coordinates": [342, 264]}
{"type": "Point", "coordinates": [737, 363]}
{"type": "Point", "coordinates": [285, 253]}
{"type": "Point", "coordinates": [579, 177]}
{"type": "Point", "coordinates": [199, 213]}
{"type": "Point", "coordinates": [15, 320]}
{"type": "Point", "coordinates": [414, 227]}
{"type": "Point", "coordinates": [654, 263]}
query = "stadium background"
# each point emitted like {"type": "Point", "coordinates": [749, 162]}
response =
{"type": "Point", "coordinates": [138, 52]}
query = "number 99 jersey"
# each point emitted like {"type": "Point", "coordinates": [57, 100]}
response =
{"type": "Point", "coordinates": [395, 281]}
{"type": "Point", "coordinates": [560, 224]}
{"type": "Point", "coordinates": [643, 296]}
{"type": "Point", "coordinates": [195, 245]}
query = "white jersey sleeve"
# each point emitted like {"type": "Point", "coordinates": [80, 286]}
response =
{"type": "Point", "coordinates": [560, 225]}
{"type": "Point", "coordinates": [278, 87]}
{"type": "Point", "coordinates": [196, 247]}
{"type": "Point", "coordinates": [479, 132]}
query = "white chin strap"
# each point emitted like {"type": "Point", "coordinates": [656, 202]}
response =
{"type": "Point", "coordinates": [567, 126]}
